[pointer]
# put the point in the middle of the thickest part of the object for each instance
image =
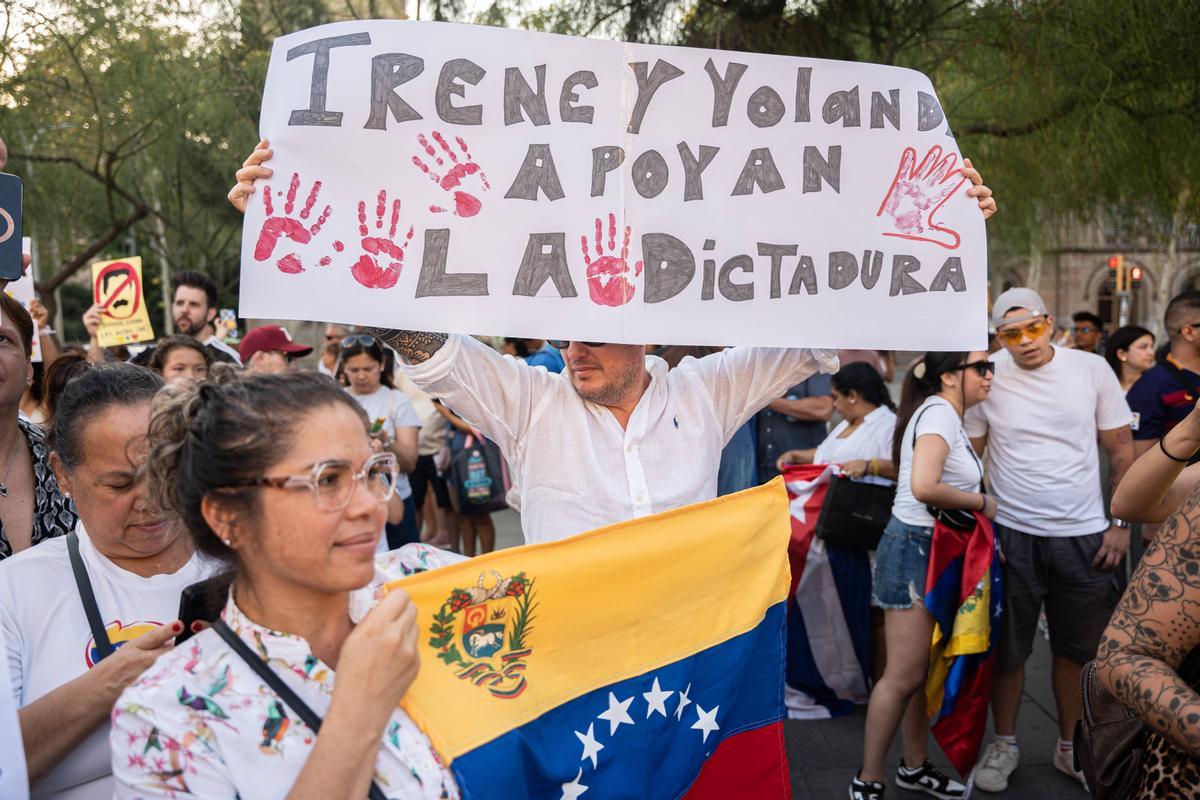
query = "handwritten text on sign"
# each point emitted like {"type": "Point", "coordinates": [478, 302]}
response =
{"type": "Point", "coordinates": [457, 178]}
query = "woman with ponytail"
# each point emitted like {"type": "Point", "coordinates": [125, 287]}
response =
{"type": "Point", "coordinates": [937, 470]}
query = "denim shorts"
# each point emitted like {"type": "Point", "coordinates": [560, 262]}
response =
{"type": "Point", "coordinates": [901, 561]}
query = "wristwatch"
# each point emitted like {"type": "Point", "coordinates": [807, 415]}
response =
{"type": "Point", "coordinates": [1120, 523]}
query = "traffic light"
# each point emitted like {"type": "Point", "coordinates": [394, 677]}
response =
{"type": "Point", "coordinates": [1119, 274]}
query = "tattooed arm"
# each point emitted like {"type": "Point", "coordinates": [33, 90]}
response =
{"type": "Point", "coordinates": [414, 346]}
{"type": "Point", "coordinates": [1155, 626]}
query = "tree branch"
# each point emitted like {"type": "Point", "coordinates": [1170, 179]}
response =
{"type": "Point", "coordinates": [1006, 131]}
{"type": "Point", "coordinates": [69, 268]}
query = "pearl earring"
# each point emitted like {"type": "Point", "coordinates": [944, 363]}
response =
{"type": "Point", "coordinates": [227, 542]}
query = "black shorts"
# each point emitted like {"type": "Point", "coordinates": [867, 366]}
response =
{"type": "Point", "coordinates": [1056, 571]}
{"type": "Point", "coordinates": [423, 476]}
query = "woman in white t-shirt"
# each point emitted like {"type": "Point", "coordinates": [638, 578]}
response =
{"type": "Point", "coordinates": [137, 561]}
{"type": "Point", "coordinates": [393, 421]}
{"type": "Point", "coordinates": [937, 469]}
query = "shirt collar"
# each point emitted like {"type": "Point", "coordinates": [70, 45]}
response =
{"type": "Point", "coordinates": [277, 648]}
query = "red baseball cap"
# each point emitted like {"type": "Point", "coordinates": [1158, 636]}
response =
{"type": "Point", "coordinates": [270, 337]}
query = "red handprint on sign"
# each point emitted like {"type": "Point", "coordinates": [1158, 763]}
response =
{"type": "Point", "coordinates": [608, 276]}
{"type": "Point", "coordinates": [286, 227]}
{"type": "Point", "coordinates": [367, 270]}
{"type": "Point", "coordinates": [465, 204]}
{"type": "Point", "coordinates": [918, 192]}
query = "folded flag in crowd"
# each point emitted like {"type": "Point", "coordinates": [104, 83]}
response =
{"type": "Point", "coordinates": [963, 592]}
{"type": "Point", "coordinates": [640, 660]}
{"type": "Point", "coordinates": [828, 619]}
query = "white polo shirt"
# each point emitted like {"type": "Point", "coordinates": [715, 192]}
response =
{"type": "Point", "coordinates": [577, 469]}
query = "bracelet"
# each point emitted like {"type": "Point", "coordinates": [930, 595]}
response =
{"type": "Point", "coordinates": [1120, 523]}
{"type": "Point", "coordinates": [873, 468]}
{"type": "Point", "coordinates": [1163, 447]}
{"type": "Point", "coordinates": [983, 507]}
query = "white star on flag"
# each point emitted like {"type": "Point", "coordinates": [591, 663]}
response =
{"type": "Point", "coordinates": [590, 746]}
{"type": "Point", "coordinates": [803, 491]}
{"type": "Point", "coordinates": [706, 721]}
{"type": "Point", "coordinates": [572, 790]}
{"type": "Point", "coordinates": [656, 700]}
{"type": "Point", "coordinates": [617, 713]}
{"type": "Point", "coordinates": [683, 701]}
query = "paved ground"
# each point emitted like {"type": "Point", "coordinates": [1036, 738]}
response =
{"type": "Point", "coordinates": [824, 754]}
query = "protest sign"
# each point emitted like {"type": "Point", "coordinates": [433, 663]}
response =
{"type": "Point", "coordinates": [117, 289]}
{"type": "Point", "coordinates": [22, 291]}
{"type": "Point", "coordinates": [445, 177]}
{"type": "Point", "coordinates": [14, 783]}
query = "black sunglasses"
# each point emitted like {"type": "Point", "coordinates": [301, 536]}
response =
{"type": "Point", "coordinates": [982, 368]}
{"type": "Point", "coordinates": [563, 344]}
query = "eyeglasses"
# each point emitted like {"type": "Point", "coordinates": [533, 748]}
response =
{"type": "Point", "coordinates": [563, 344]}
{"type": "Point", "coordinates": [982, 368]}
{"type": "Point", "coordinates": [360, 339]}
{"type": "Point", "coordinates": [333, 482]}
{"type": "Point", "coordinates": [1085, 329]}
{"type": "Point", "coordinates": [1032, 330]}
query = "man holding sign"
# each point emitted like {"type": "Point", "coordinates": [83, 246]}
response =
{"type": "Point", "coordinates": [621, 437]}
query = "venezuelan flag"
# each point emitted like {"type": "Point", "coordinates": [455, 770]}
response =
{"type": "Point", "coordinates": [963, 593]}
{"type": "Point", "coordinates": [641, 660]}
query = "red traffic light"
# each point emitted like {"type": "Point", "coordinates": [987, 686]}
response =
{"type": "Point", "coordinates": [1114, 262]}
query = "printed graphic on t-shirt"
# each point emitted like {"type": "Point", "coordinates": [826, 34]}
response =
{"type": "Point", "coordinates": [118, 635]}
{"type": "Point", "coordinates": [1133, 424]}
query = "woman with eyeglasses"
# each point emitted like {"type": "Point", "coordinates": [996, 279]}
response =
{"type": "Point", "coordinates": [275, 477]}
{"type": "Point", "coordinates": [937, 470]}
{"type": "Point", "coordinates": [366, 368]}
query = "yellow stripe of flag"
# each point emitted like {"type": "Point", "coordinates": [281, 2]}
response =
{"type": "Point", "coordinates": [510, 635]}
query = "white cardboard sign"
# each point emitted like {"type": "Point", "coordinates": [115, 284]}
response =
{"type": "Point", "coordinates": [434, 176]}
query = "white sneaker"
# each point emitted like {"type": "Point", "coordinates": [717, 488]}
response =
{"type": "Point", "coordinates": [998, 762]}
{"type": "Point", "coordinates": [1064, 762]}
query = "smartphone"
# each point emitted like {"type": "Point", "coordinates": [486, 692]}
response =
{"type": "Point", "coordinates": [201, 602]}
{"type": "Point", "coordinates": [10, 227]}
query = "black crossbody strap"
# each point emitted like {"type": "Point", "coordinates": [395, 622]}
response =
{"type": "Point", "coordinates": [272, 679]}
{"type": "Point", "coordinates": [84, 584]}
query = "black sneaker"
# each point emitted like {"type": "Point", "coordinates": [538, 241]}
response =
{"type": "Point", "coordinates": [929, 779]}
{"type": "Point", "coordinates": [865, 790]}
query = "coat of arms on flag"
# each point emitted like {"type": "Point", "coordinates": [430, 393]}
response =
{"type": "Point", "coordinates": [615, 677]}
{"type": "Point", "coordinates": [492, 632]}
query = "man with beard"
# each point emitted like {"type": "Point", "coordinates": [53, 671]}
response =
{"type": "Point", "coordinates": [195, 308]}
{"type": "Point", "coordinates": [614, 436]}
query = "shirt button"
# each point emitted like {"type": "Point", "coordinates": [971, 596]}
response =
{"type": "Point", "coordinates": [641, 498]}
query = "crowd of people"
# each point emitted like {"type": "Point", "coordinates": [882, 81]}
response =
{"type": "Point", "coordinates": [127, 477]}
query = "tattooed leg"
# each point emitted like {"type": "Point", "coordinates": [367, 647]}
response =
{"type": "Point", "coordinates": [414, 346]}
{"type": "Point", "coordinates": [1155, 626]}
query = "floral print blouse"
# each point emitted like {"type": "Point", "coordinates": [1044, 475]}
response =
{"type": "Point", "coordinates": [201, 724]}
{"type": "Point", "coordinates": [53, 514]}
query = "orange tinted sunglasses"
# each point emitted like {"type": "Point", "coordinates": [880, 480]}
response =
{"type": "Point", "coordinates": [1033, 331]}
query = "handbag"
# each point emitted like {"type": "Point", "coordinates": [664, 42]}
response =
{"type": "Point", "coordinates": [854, 513]}
{"type": "Point", "coordinates": [1111, 739]}
{"type": "Point", "coordinates": [959, 519]}
{"type": "Point", "coordinates": [292, 700]}
{"type": "Point", "coordinates": [480, 477]}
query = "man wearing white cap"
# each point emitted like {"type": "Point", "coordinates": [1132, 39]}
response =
{"type": "Point", "coordinates": [1040, 424]}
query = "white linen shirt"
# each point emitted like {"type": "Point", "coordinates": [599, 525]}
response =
{"type": "Point", "coordinates": [871, 439]}
{"type": "Point", "coordinates": [576, 468]}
